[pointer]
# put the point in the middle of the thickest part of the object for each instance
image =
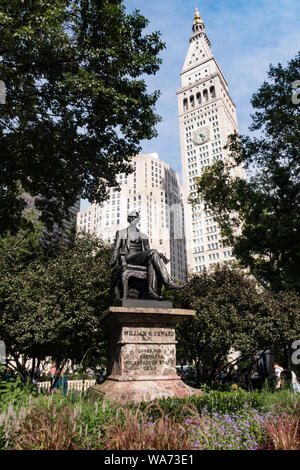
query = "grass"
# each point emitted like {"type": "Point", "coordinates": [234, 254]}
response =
{"type": "Point", "coordinates": [283, 433]}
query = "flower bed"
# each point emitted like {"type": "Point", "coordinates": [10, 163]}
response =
{"type": "Point", "coordinates": [215, 422]}
{"type": "Point", "coordinates": [244, 430]}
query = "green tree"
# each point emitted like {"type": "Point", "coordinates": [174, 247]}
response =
{"type": "Point", "coordinates": [18, 249]}
{"type": "Point", "coordinates": [77, 105]}
{"type": "Point", "coordinates": [233, 313]}
{"type": "Point", "coordinates": [260, 217]}
{"type": "Point", "coordinates": [51, 305]}
{"type": "Point", "coordinates": [284, 324]}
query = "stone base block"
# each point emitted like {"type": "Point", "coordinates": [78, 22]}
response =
{"type": "Point", "coordinates": [144, 303]}
{"type": "Point", "coordinates": [141, 357]}
{"type": "Point", "coordinates": [137, 391]}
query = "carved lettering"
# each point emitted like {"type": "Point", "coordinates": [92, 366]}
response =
{"type": "Point", "coordinates": [150, 359]}
{"type": "Point", "coordinates": [143, 333]}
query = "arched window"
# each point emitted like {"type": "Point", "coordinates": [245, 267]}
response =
{"type": "Point", "coordinates": [192, 101]}
{"type": "Point", "coordinates": [212, 92]}
{"type": "Point", "coordinates": [185, 104]}
{"type": "Point", "coordinates": [205, 95]}
{"type": "Point", "coordinates": [198, 98]}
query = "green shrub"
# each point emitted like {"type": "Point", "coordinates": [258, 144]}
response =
{"type": "Point", "coordinates": [213, 401]}
{"type": "Point", "coordinates": [14, 392]}
{"type": "Point", "coordinates": [228, 402]}
{"type": "Point", "coordinates": [97, 424]}
{"type": "Point", "coordinates": [281, 400]}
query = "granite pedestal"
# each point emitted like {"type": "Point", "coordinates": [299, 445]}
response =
{"type": "Point", "coordinates": [141, 362]}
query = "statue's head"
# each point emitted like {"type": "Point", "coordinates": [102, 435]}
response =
{"type": "Point", "coordinates": [133, 217]}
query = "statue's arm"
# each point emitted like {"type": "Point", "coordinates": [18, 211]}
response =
{"type": "Point", "coordinates": [146, 244]}
{"type": "Point", "coordinates": [116, 249]}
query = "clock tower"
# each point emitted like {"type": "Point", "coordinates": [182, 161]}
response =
{"type": "Point", "coordinates": [207, 116]}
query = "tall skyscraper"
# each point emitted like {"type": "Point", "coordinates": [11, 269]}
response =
{"type": "Point", "coordinates": [207, 116]}
{"type": "Point", "coordinates": [153, 190]}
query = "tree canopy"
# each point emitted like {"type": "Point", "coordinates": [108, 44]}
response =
{"type": "Point", "coordinates": [51, 303]}
{"type": "Point", "coordinates": [233, 313]}
{"type": "Point", "coordinates": [261, 217]}
{"type": "Point", "coordinates": [76, 107]}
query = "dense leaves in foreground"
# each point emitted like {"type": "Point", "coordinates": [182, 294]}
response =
{"type": "Point", "coordinates": [65, 423]}
{"type": "Point", "coordinates": [77, 106]}
{"type": "Point", "coordinates": [233, 313]}
{"type": "Point", "coordinates": [51, 304]}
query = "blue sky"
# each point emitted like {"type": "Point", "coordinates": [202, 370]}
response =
{"type": "Point", "coordinates": [245, 35]}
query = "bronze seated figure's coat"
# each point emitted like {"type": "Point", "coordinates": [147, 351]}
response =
{"type": "Point", "coordinates": [141, 271]}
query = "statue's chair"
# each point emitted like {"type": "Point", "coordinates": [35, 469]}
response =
{"type": "Point", "coordinates": [122, 277]}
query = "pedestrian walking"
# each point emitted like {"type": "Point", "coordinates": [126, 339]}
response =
{"type": "Point", "coordinates": [277, 373]}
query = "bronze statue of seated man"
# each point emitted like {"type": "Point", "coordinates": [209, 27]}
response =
{"type": "Point", "coordinates": [134, 245]}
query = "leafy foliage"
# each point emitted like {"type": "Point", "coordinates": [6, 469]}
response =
{"type": "Point", "coordinates": [51, 305]}
{"type": "Point", "coordinates": [260, 217]}
{"type": "Point", "coordinates": [232, 313]}
{"type": "Point", "coordinates": [211, 401]}
{"type": "Point", "coordinates": [242, 430]}
{"type": "Point", "coordinates": [77, 105]}
{"type": "Point", "coordinates": [75, 423]}
{"type": "Point", "coordinates": [13, 392]}
{"type": "Point", "coordinates": [25, 244]}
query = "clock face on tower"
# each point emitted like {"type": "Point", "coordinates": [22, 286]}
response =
{"type": "Point", "coordinates": [200, 136]}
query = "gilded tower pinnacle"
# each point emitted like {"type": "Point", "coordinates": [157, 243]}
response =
{"type": "Point", "coordinates": [199, 28]}
{"type": "Point", "coordinates": [197, 16]}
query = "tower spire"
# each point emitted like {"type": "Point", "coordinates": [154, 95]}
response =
{"type": "Point", "coordinates": [198, 22]}
{"type": "Point", "coordinates": [199, 28]}
{"type": "Point", "coordinates": [203, 92]}
{"type": "Point", "coordinates": [197, 16]}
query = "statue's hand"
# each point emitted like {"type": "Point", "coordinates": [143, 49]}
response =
{"type": "Point", "coordinates": [165, 260]}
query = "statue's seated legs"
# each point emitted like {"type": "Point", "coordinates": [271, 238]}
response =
{"type": "Point", "coordinates": [161, 270]}
{"type": "Point", "coordinates": [138, 259]}
{"type": "Point", "coordinates": [157, 271]}
{"type": "Point", "coordinates": [148, 259]}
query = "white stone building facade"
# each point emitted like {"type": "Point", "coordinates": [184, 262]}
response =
{"type": "Point", "coordinates": [152, 189]}
{"type": "Point", "coordinates": [207, 116]}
